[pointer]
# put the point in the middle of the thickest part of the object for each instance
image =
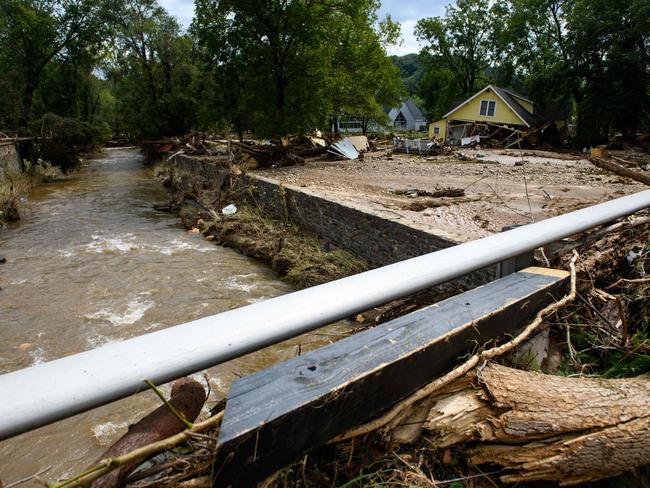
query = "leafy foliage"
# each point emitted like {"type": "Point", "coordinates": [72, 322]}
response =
{"type": "Point", "coordinates": [286, 67]}
{"type": "Point", "coordinates": [594, 55]}
{"type": "Point", "coordinates": [150, 70]}
{"type": "Point", "coordinates": [280, 67]}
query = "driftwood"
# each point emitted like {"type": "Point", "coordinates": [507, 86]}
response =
{"type": "Point", "coordinates": [621, 170]}
{"type": "Point", "coordinates": [593, 236]}
{"type": "Point", "coordinates": [187, 397]}
{"type": "Point", "coordinates": [438, 193]}
{"type": "Point", "coordinates": [540, 427]}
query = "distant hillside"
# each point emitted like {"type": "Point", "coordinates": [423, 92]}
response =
{"type": "Point", "coordinates": [410, 70]}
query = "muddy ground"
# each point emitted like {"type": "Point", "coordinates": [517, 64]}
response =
{"type": "Point", "coordinates": [502, 187]}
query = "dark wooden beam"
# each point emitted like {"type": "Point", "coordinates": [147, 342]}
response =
{"type": "Point", "coordinates": [274, 416]}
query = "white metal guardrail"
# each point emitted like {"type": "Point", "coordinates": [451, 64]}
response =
{"type": "Point", "coordinates": [48, 392]}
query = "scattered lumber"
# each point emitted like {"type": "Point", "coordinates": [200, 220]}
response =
{"type": "Point", "coordinates": [620, 170]}
{"type": "Point", "coordinates": [187, 397]}
{"type": "Point", "coordinates": [541, 427]}
{"type": "Point", "coordinates": [595, 235]}
{"type": "Point", "coordinates": [437, 193]}
{"type": "Point", "coordinates": [274, 416]}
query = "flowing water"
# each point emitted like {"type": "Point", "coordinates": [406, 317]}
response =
{"type": "Point", "coordinates": [92, 263]}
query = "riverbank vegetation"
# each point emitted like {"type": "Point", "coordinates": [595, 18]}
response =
{"type": "Point", "coordinates": [297, 256]}
{"type": "Point", "coordinates": [17, 185]}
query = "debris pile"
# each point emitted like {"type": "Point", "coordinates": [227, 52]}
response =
{"type": "Point", "coordinates": [416, 146]}
{"type": "Point", "coordinates": [344, 149]}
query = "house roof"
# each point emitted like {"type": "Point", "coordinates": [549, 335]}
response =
{"type": "Point", "coordinates": [518, 109]}
{"type": "Point", "coordinates": [414, 109]}
{"type": "Point", "coordinates": [524, 115]}
{"type": "Point", "coordinates": [517, 95]}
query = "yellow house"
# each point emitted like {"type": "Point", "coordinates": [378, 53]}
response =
{"type": "Point", "coordinates": [438, 130]}
{"type": "Point", "coordinates": [492, 113]}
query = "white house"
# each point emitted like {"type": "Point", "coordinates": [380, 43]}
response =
{"type": "Point", "coordinates": [407, 118]}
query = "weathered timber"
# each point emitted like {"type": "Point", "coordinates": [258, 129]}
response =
{"type": "Point", "coordinates": [540, 427]}
{"type": "Point", "coordinates": [187, 397]}
{"type": "Point", "coordinates": [274, 416]}
{"type": "Point", "coordinates": [615, 168]}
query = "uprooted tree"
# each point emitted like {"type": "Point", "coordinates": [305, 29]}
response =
{"type": "Point", "coordinates": [540, 427]}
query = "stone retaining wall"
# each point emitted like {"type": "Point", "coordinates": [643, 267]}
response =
{"type": "Point", "coordinates": [375, 239]}
{"type": "Point", "coordinates": [9, 159]}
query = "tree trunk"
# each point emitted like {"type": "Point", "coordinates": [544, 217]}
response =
{"type": "Point", "coordinates": [28, 97]}
{"type": "Point", "coordinates": [187, 397]}
{"type": "Point", "coordinates": [639, 176]}
{"type": "Point", "coordinates": [541, 427]}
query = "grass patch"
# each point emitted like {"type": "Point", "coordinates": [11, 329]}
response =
{"type": "Point", "coordinates": [17, 185]}
{"type": "Point", "coordinates": [299, 257]}
{"type": "Point", "coordinates": [12, 189]}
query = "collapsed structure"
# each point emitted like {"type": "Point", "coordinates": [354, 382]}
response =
{"type": "Point", "coordinates": [503, 117]}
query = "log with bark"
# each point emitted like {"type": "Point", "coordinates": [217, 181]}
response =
{"type": "Point", "coordinates": [616, 168]}
{"type": "Point", "coordinates": [539, 427]}
{"type": "Point", "coordinates": [187, 398]}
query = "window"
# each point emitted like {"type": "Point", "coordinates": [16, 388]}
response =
{"type": "Point", "coordinates": [400, 121]}
{"type": "Point", "coordinates": [350, 123]}
{"type": "Point", "coordinates": [488, 107]}
{"type": "Point", "coordinates": [436, 130]}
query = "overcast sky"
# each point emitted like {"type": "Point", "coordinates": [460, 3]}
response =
{"type": "Point", "coordinates": [407, 12]}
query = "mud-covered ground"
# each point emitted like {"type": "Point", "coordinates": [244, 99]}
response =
{"type": "Point", "coordinates": [501, 187]}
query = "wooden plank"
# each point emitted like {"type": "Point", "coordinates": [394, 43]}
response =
{"type": "Point", "coordinates": [275, 415]}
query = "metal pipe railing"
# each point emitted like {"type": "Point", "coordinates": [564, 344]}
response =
{"type": "Point", "coordinates": [48, 392]}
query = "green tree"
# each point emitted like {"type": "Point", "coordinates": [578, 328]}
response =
{"type": "Point", "coordinates": [594, 54]}
{"type": "Point", "coordinates": [411, 71]}
{"type": "Point", "coordinates": [364, 80]}
{"type": "Point", "coordinates": [33, 34]}
{"type": "Point", "coordinates": [151, 72]}
{"type": "Point", "coordinates": [468, 39]}
{"type": "Point", "coordinates": [284, 66]}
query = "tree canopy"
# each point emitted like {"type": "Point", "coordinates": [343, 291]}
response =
{"type": "Point", "coordinates": [592, 54]}
{"type": "Point", "coordinates": [285, 67]}
{"type": "Point", "coordinates": [279, 67]}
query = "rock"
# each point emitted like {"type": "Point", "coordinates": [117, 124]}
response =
{"type": "Point", "coordinates": [3, 260]}
{"type": "Point", "coordinates": [195, 231]}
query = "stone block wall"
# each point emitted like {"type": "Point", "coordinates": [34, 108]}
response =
{"type": "Point", "coordinates": [9, 159]}
{"type": "Point", "coordinates": [370, 237]}
{"type": "Point", "coordinates": [211, 174]}
{"type": "Point", "coordinates": [375, 239]}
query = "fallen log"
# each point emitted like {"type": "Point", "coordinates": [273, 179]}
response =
{"type": "Point", "coordinates": [591, 237]}
{"type": "Point", "coordinates": [187, 397]}
{"type": "Point", "coordinates": [540, 427]}
{"type": "Point", "coordinates": [438, 193]}
{"type": "Point", "coordinates": [621, 170]}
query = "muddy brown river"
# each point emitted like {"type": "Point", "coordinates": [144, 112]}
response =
{"type": "Point", "coordinates": [92, 263]}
